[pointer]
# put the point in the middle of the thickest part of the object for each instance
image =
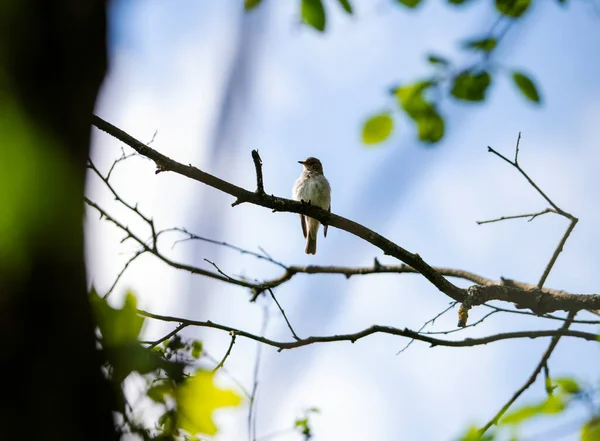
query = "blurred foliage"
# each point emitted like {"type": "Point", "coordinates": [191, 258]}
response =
{"type": "Point", "coordinates": [303, 424]}
{"type": "Point", "coordinates": [562, 395]}
{"type": "Point", "coordinates": [187, 394]}
{"type": "Point", "coordinates": [377, 128]}
{"type": "Point", "coordinates": [467, 84]}
{"type": "Point", "coordinates": [31, 215]}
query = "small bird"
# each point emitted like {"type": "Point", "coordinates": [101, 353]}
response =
{"type": "Point", "coordinates": [313, 188]}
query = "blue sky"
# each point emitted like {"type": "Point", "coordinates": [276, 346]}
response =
{"type": "Point", "coordinates": [299, 93]}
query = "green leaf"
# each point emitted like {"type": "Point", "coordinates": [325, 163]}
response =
{"type": "Point", "coordinates": [471, 87]}
{"type": "Point", "coordinates": [568, 385]}
{"type": "Point", "coordinates": [377, 128]}
{"type": "Point", "coordinates": [591, 430]}
{"type": "Point", "coordinates": [117, 326]}
{"type": "Point", "coordinates": [473, 434]}
{"type": "Point", "coordinates": [436, 59]}
{"type": "Point", "coordinates": [430, 124]}
{"type": "Point", "coordinates": [553, 404]}
{"type": "Point", "coordinates": [484, 45]}
{"type": "Point", "coordinates": [526, 86]}
{"type": "Point", "coordinates": [301, 422]}
{"type": "Point", "coordinates": [196, 349]}
{"type": "Point", "coordinates": [409, 3]}
{"type": "Point", "coordinates": [120, 329]}
{"type": "Point", "coordinates": [197, 398]}
{"type": "Point", "coordinates": [160, 391]}
{"type": "Point", "coordinates": [313, 14]}
{"type": "Point", "coordinates": [346, 5]}
{"type": "Point", "coordinates": [512, 8]}
{"type": "Point", "coordinates": [251, 4]}
{"type": "Point", "coordinates": [458, 2]}
{"type": "Point", "coordinates": [431, 128]}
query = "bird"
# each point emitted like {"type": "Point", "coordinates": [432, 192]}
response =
{"type": "Point", "coordinates": [312, 188]}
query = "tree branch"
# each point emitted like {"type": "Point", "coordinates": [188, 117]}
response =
{"type": "Point", "coordinates": [563, 331]}
{"type": "Point", "coordinates": [280, 204]}
{"type": "Point", "coordinates": [376, 329]}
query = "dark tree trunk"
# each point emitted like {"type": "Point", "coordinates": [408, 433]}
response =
{"type": "Point", "coordinates": [52, 63]}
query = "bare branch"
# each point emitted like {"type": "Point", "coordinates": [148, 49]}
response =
{"type": "Point", "coordinates": [222, 362]}
{"type": "Point", "coordinates": [430, 321]}
{"type": "Point", "coordinates": [557, 251]}
{"type": "Point", "coordinates": [168, 336]}
{"type": "Point", "coordinates": [191, 269]}
{"type": "Point", "coordinates": [378, 329]}
{"type": "Point", "coordinates": [531, 216]}
{"type": "Point", "coordinates": [533, 184]}
{"type": "Point", "coordinates": [135, 256]}
{"type": "Point", "coordinates": [561, 332]}
{"type": "Point", "coordinates": [283, 314]}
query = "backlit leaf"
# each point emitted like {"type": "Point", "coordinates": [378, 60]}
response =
{"type": "Point", "coordinates": [197, 398]}
{"type": "Point", "coordinates": [313, 14]}
{"type": "Point", "coordinates": [377, 128]}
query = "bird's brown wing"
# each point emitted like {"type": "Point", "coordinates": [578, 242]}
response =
{"type": "Point", "coordinates": [325, 226]}
{"type": "Point", "coordinates": [303, 222]}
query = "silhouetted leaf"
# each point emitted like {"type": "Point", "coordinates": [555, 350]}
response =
{"type": "Point", "coordinates": [485, 44]}
{"type": "Point", "coordinates": [346, 5]}
{"type": "Point", "coordinates": [377, 128]}
{"type": "Point", "coordinates": [409, 3]}
{"type": "Point", "coordinates": [512, 8]}
{"type": "Point", "coordinates": [436, 59]}
{"type": "Point", "coordinates": [313, 14]}
{"type": "Point", "coordinates": [526, 86]}
{"type": "Point", "coordinates": [471, 87]}
{"type": "Point", "coordinates": [251, 4]}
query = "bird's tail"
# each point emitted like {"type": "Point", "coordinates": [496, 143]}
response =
{"type": "Point", "coordinates": [311, 237]}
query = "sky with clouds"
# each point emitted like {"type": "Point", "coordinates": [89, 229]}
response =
{"type": "Point", "coordinates": [210, 84]}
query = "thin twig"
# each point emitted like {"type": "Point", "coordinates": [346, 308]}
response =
{"type": "Point", "coordinates": [533, 184]}
{"type": "Point", "coordinates": [224, 370]}
{"type": "Point", "coordinates": [192, 236]}
{"type": "Point", "coordinates": [562, 331]}
{"type": "Point", "coordinates": [430, 321]}
{"type": "Point", "coordinates": [557, 251]}
{"type": "Point", "coordinates": [531, 216]}
{"type": "Point", "coordinates": [547, 379]}
{"type": "Point", "coordinates": [168, 336]}
{"type": "Point", "coordinates": [378, 329]}
{"type": "Point", "coordinates": [222, 362]}
{"type": "Point", "coordinates": [470, 325]}
{"type": "Point", "coordinates": [259, 176]}
{"type": "Point", "coordinates": [547, 316]}
{"type": "Point", "coordinates": [252, 408]}
{"type": "Point", "coordinates": [135, 256]}
{"type": "Point", "coordinates": [133, 208]}
{"type": "Point", "coordinates": [283, 314]}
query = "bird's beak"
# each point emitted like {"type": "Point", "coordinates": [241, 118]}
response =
{"type": "Point", "coordinates": [301, 162]}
